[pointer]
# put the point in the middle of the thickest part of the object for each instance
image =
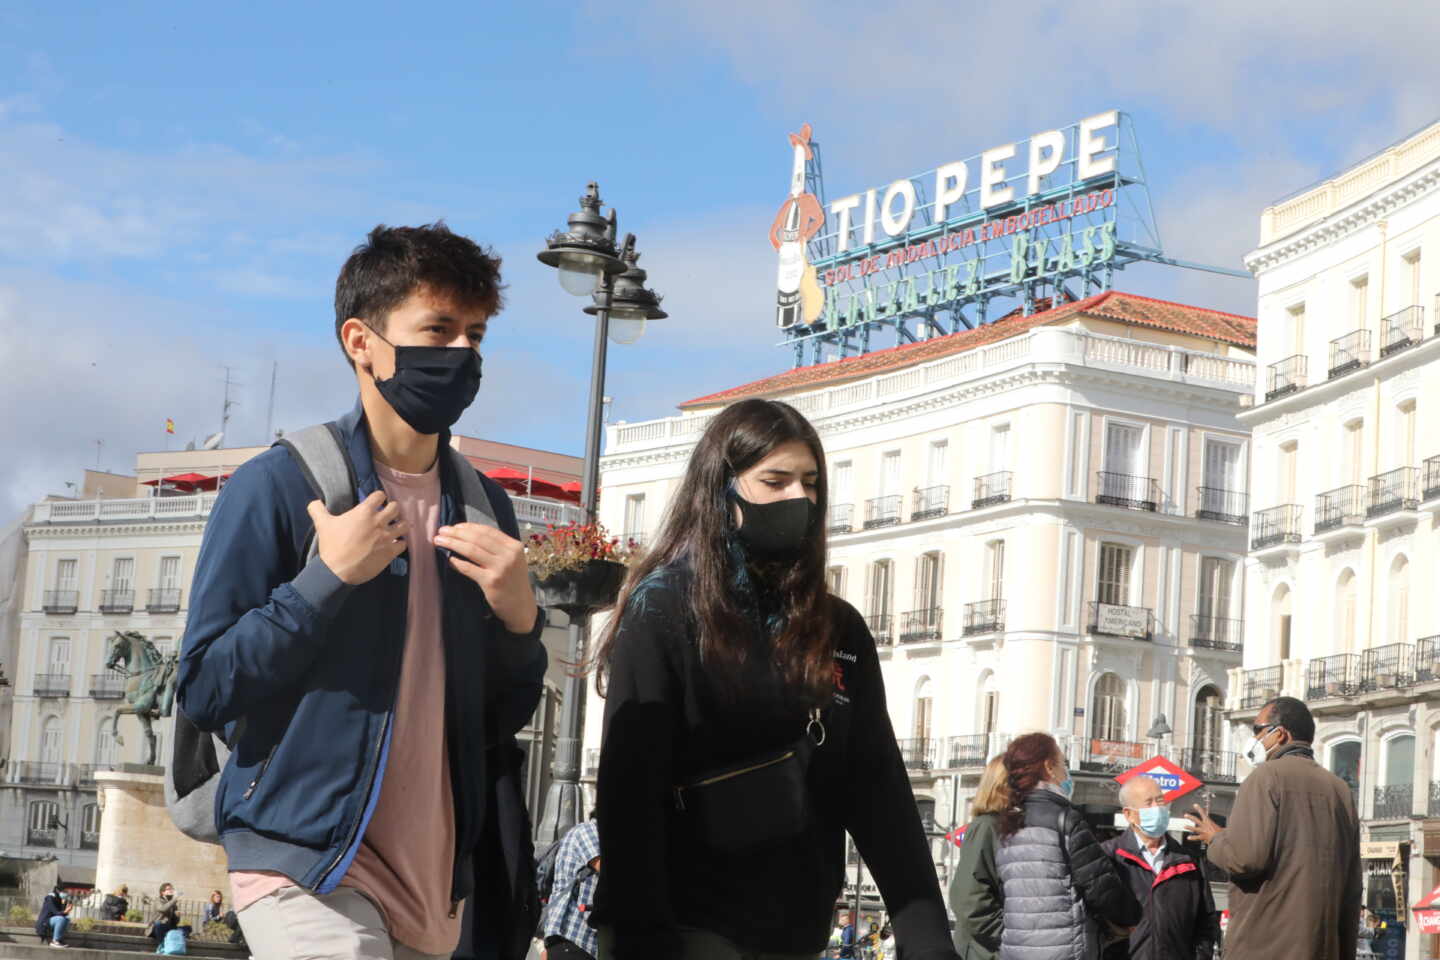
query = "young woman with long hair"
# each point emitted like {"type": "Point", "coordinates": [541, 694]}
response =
{"type": "Point", "coordinates": [976, 896]}
{"type": "Point", "coordinates": [742, 703]}
{"type": "Point", "coordinates": [1058, 882]}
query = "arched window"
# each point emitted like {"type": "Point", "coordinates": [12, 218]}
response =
{"type": "Point", "coordinates": [1400, 600]}
{"type": "Point", "coordinates": [1108, 710]}
{"type": "Point", "coordinates": [1208, 729]}
{"type": "Point", "coordinates": [1345, 612]}
{"type": "Point", "coordinates": [90, 826]}
{"type": "Point", "coordinates": [43, 821]}
{"type": "Point", "coordinates": [1280, 623]}
{"type": "Point", "coordinates": [107, 751]}
{"type": "Point", "coordinates": [1345, 763]}
{"type": "Point", "coordinates": [1399, 761]}
{"type": "Point", "coordinates": [51, 745]}
{"type": "Point", "coordinates": [926, 806]}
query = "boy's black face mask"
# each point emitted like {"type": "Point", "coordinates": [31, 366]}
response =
{"type": "Point", "coordinates": [431, 386]}
{"type": "Point", "coordinates": [777, 529]}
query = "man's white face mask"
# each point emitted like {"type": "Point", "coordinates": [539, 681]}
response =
{"type": "Point", "coordinates": [1255, 750]}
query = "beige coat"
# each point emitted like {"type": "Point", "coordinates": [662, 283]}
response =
{"type": "Point", "coordinates": [1292, 849]}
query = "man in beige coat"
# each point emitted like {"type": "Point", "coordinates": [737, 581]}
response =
{"type": "Point", "coordinates": [1292, 848]}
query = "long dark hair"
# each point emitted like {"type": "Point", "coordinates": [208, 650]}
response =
{"type": "Point", "coordinates": [696, 530]}
{"type": "Point", "coordinates": [1027, 764]}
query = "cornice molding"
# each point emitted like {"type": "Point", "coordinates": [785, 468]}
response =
{"type": "Point", "coordinates": [55, 531]}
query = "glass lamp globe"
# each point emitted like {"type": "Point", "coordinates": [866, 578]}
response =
{"type": "Point", "coordinates": [578, 274]}
{"type": "Point", "coordinates": [625, 328]}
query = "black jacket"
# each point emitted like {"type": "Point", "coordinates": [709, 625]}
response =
{"type": "Point", "coordinates": [52, 907]}
{"type": "Point", "coordinates": [1179, 911]}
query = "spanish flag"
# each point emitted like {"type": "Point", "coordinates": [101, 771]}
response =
{"type": "Point", "coordinates": [169, 425]}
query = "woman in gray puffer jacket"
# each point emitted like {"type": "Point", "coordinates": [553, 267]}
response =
{"type": "Point", "coordinates": [1059, 885]}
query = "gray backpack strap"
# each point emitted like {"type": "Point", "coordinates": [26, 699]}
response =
{"type": "Point", "coordinates": [319, 451]}
{"type": "Point", "coordinates": [477, 502]}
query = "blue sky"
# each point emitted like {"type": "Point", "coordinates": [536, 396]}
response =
{"type": "Point", "coordinates": [181, 184]}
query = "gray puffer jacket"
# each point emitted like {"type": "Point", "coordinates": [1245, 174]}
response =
{"type": "Point", "coordinates": [1058, 884]}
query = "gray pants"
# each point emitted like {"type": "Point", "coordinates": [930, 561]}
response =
{"type": "Point", "coordinates": [294, 924]}
{"type": "Point", "coordinates": [703, 945]}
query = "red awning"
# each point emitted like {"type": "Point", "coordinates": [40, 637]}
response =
{"type": "Point", "coordinates": [528, 485]}
{"type": "Point", "coordinates": [186, 481]}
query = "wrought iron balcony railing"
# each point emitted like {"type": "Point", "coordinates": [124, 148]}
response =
{"type": "Point", "coordinates": [1120, 620]}
{"type": "Point", "coordinates": [89, 840]}
{"type": "Point", "coordinates": [163, 600]}
{"type": "Point", "coordinates": [883, 511]}
{"type": "Point", "coordinates": [1393, 492]}
{"type": "Point", "coordinates": [1402, 329]}
{"type": "Point", "coordinates": [1286, 376]}
{"type": "Point", "coordinates": [117, 601]}
{"type": "Point", "coordinates": [1433, 808]}
{"type": "Point", "coordinates": [984, 616]}
{"type": "Point", "coordinates": [1390, 667]}
{"type": "Point", "coordinates": [82, 775]}
{"type": "Point", "coordinates": [1395, 802]}
{"type": "Point", "coordinates": [1430, 485]}
{"type": "Point", "coordinates": [921, 626]}
{"type": "Point", "coordinates": [841, 519]}
{"type": "Point", "coordinates": [1227, 506]}
{"type": "Point", "coordinates": [968, 753]}
{"type": "Point", "coordinates": [1259, 687]}
{"type": "Point", "coordinates": [52, 684]}
{"type": "Point", "coordinates": [1212, 766]}
{"type": "Point", "coordinates": [1339, 508]}
{"type": "Point", "coordinates": [61, 601]}
{"type": "Point", "coordinates": [107, 686]}
{"type": "Point", "coordinates": [881, 627]}
{"type": "Point", "coordinates": [990, 489]}
{"type": "Point", "coordinates": [931, 502]}
{"type": "Point", "coordinates": [41, 838]}
{"type": "Point", "coordinates": [1329, 678]}
{"type": "Point", "coordinates": [1270, 528]}
{"type": "Point", "coordinates": [591, 768]}
{"type": "Point", "coordinates": [1216, 633]}
{"type": "Point", "coordinates": [37, 773]}
{"type": "Point", "coordinates": [1126, 490]}
{"type": "Point", "coordinates": [918, 753]}
{"type": "Point", "coordinates": [1348, 353]}
{"type": "Point", "coordinates": [1427, 660]}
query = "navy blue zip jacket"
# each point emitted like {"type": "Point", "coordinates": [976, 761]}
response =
{"type": "Point", "coordinates": [299, 671]}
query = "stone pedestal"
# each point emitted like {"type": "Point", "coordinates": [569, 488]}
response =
{"type": "Point", "coordinates": [139, 846]}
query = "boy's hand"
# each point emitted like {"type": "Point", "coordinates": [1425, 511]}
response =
{"type": "Point", "coordinates": [360, 542]}
{"type": "Point", "coordinates": [496, 562]}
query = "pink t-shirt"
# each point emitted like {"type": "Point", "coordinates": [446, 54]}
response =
{"type": "Point", "coordinates": [406, 858]}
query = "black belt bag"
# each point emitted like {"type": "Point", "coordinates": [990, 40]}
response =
{"type": "Point", "coordinates": [759, 801]}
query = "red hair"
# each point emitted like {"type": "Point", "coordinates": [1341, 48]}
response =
{"type": "Point", "coordinates": [1027, 765]}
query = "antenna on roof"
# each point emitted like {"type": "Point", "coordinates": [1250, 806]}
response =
{"type": "Point", "coordinates": [225, 410]}
{"type": "Point", "coordinates": [270, 413]}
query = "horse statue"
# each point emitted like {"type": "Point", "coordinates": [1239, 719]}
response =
{"type": "Point", "coordinates": [149, 687]}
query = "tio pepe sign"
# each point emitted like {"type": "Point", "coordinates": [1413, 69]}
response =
{"type": "Point", "coordinates": [1174, 781]}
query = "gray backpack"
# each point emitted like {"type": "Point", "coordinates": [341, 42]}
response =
{"type": "Point", "coordinates": [192, 774]}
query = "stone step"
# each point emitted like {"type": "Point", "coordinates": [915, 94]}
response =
{"type": "Point", "coordinates": [17, 942]}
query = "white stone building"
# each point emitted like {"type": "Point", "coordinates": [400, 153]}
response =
{"type": "Point", "coordinates": [1346, 483]}
{"type": "Point", "coordinates": [1042, 520]}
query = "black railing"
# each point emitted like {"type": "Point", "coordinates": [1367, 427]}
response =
{"type": "Point", "coordinates": [920, 626]}
{"type": "Point", "coordinates": [591, 768]}
{"type": "Point", "coordinates": [1216, 633]}
{"type": "Point", "coordinates": [61, 601]}
{"type": "Point", "coordinates": [968, 753]}
{"type": "Point", "coordinates": [1127, 490]}
{"type": "Point", "coordinates": [984, 616]}
{"type": "Point", "coordinates": [1395, 802]}
{"type": "Point", "coordinates": [1287, 376]}
{"type": "Point", "coordinates": [990, 489]}
{"type": "Point", "coordinates": [1430, 483]}
{"type": "Point", "coordinates": [1227, 506]}
{"type": "Point", "coordinates": [1275, 526]}
{"type": "Point", "coordinates": [89, 840]}
{"type": "Point", "coordinates": [1261, 686]}
{"type": "Point", "coordinates": [32, 771]}
{"type": "Point", "coordinates": [52, 684]}
{"type": "Point", "coordinates": [1119, 620]}
{"type": "Point", "coordinates": [1329, 678]}
{"type": "Point", "coordinates": [117, 601]}
{"type": "Point", "coordinates": [1403, 328]}
{"type": "Point", "coordinates": [1341, 507]}
{"type": "Point", "coordinates": [1427, 660]}
{"type": "Point", "coordinates": [1107, 756]}
{"type": "Point", "coordinates": [918, 753]}
{"type": "Point", "coordinates": [107, 686]}
{"type": "Point", "coordinates": [881, 627]}
{"type": "Point", "coordinates": [41, 838]}
{"type": "Point", "coordinates": [163, 600]}
{"type": "Point", "coordinates": [931, 502]}
{"type": "Point", "coordinates": [1350, 352]}
{"type": "Point", "coordinates": [1433, 808]}
{"type": "Point", "coordinates": [841, 519]}
{"type": "Point", "coordinates": [883, 511]}
{"type": "Point", "coordinates": [82, 775]}
{"type": "Point", "coordinates": [1213, 766]}
{"type": "Point", "coordinates": [1390, 667]}
{"type": "Point", "coordinates": [1394, 491]}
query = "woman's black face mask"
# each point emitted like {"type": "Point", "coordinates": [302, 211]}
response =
{"type": "Point", "coordinates": [777, 529]}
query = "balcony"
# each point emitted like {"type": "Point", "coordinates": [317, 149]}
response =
{"type": "Point", "coordinates": [931, 502]}
{"type": "Point", "coordinates": [117, 601]}
{"type": "Point", "coordinates": [61, 601]}
{"type": "Point", "coordinates": [591, 768]}
{"type": "Point", "coordinates": [1391, 667]}
{"type": "Point", "coordinates": [921, 626]}
{"type": "Point", "coordinates": [1126, 490]}
{"type": "Point", "coordinates": [1212, 766]}
{"type": "Point", "coordinates": [38, 774]}
{"type": "Point", "coordinates": [1430, 484]}
{"type": "Point", "coordinates": [1349, 353]}
{"type": "Point", "coordinates": [107, 686]}
{"type": "Point", "coordinates": [52, 684]}
{"type": "Point", "coordinates": [1119, 620]}
{"type": "Point", "coordinates": [984, 616]}
{"type": "Point", "coordinates": [1433, 809]}
{"type": "Point", "coordinates": [89, 840]}
{"type": "Point", "coordinates": [918, 754]}
{"type": "Point", "coordinates": [968, 753]}
{"type": "Point", "coordinates": [1394, 495]}
{"type": "Point", "coordinates": [1427, 660]}
{"type": "Point", "coordinates": [1227, 506]}
{"type": "Point", "coordinates": [1276, 527]}
{"type": "Point", "coordinates": [1285, 377]}
{"type": "Point", "coordinates": [1113, 756]}
{"type": "Point", "coordinates": [991, 489]}
{"type": "Point", "coordinates": [1217, 633]}
{"type": "Point", "coordinates": [82, 775]}
{"type": "Point", "coordinates": [1395, 802]}
{"type": "Point", "coordinates": [1331, 678]}
{"type": "Point", "coordinates": [1340, 513]}
{"type": "Point", "coordinates": [881, 627]}
{"type": "Point", "coordinates": [883, 511]}
{"type": "Point", "coordinates": [41, 838]}
{"type": "Point", "coordinates": [1261, 686]}
{"type": "Point", "coordinates": [1401, 330]}
{"type": "Point", "coordinates": [163, 600]}
{"type": "Point", "coordinates": [841, 518]}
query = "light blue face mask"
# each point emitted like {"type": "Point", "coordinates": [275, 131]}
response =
{"type": "Point", "coordinates": [1067, 787]}
{"type": "Point", "coordinates": [1154, 820]}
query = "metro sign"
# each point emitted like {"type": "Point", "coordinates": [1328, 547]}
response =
{"type": "Point", "coordinates": [1174, 781]}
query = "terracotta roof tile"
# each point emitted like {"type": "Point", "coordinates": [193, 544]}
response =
{"type": "Point", "coordinates": [1113, 305]}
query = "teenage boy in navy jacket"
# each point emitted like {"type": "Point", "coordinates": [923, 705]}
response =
{"type": "Point", "coordinates": [371, 695]}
